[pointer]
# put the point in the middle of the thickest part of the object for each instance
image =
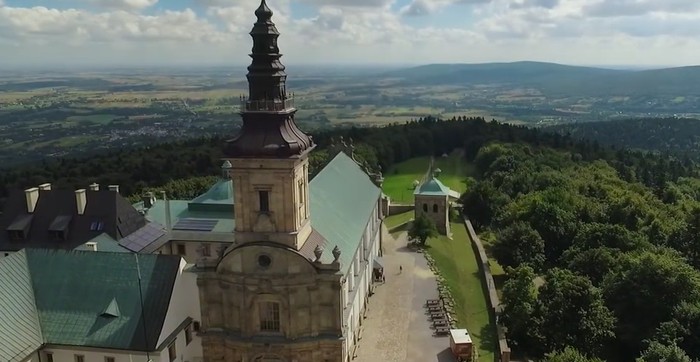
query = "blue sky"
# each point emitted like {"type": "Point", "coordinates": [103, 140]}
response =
{"type": "Point", "coordinates": [132, 32]}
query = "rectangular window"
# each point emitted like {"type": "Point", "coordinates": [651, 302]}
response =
{"type": "Point", "coordinates": [172, 352]}
{"type": "Point", "coordinates": [79, 358]}
{"type": "Point", "coordinates": [49, 357]}
{"type": "Point", "coordinates": [188, 335]}
{"type": "Point", "coordinates": [109, 359]}
{"type": "Point", "coordinates": [264, 201]}
{"type": "Point", "coordinates": [181, 249]}
{"type": "Point", "coordinates": [206, 250]}
{"type": "Point", "coordinates": [270, 317]}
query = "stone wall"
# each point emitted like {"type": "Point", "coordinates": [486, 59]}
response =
{"type": "Point", "coordinates": [395, 209]}
{"type": "Point", "coordinates": [493, 300]}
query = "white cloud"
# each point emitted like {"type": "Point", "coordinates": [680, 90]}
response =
{"type": "Point", "coordinates": [350, 3]}
{"type": "Point", "coordinates": [40, 23]}
{"type": "Point", "coordinates": [427, 7]}
{"type": "Point", "coordinates": [640, 7]}
{"type": "Point", "coordinates": [367, 31]}
{"type": "Point", "coordinates": [125, 4]}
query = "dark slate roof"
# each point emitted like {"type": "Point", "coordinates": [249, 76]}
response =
{"type": "Point", "coordinates": [20, 333]}
{"type": "Point", "coordinates": [342, 200]}
{"type": "Point", "coordinates": [84, 299]}
{"type": "Point", "coordinates": [57, 208]}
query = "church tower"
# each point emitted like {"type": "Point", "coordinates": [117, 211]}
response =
{"type": "Point", "coordinates": [269, 157]}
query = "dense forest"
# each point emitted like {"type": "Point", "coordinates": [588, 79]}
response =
{"type": "Point", "coordinates": [598, 261]}
{"type": "Point", "coordinates": [158, 165]}
{"type": "Point", "coordinates": [601, 244]}
{"type": "Point", "coordinates": [677, 136]}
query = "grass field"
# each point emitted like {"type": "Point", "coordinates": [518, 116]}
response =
{"type": "Point", "coordinates": [458, 265]}
{"type": "Point", "coordinates": [398, 182]}
{"type": "Point", "coordinates": [398, 223]}
{"type": "Point", "coordinates": [96, 118]}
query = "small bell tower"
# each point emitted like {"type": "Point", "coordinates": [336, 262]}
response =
{"type": "Point", "coordinates": [269, 157]}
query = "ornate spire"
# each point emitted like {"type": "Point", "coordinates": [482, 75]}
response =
{"type": "Point", "coordinates": [268, 112]}
{"type": "Point", "coordinates": [266, 77]}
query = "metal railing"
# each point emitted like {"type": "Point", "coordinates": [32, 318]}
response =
{"type": "Point", "coordinates": [275, 105]}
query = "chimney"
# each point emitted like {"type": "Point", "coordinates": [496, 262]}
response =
{"type": "Point", "coordinates": [114, 188]}
{"type": "Point", "coordinates": [148, 200]}
{"type": "Point", "coordinates": [80, 200]}
{"type": "Point", "coordinates": [32, 196]}
{"type": "Point", "coordinates": [95, 187]}
{"type": "Point", "coordinates": [168, 221]}
{"type": "Point", "coordinates": [45, 187]}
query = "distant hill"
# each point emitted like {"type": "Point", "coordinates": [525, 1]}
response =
{"type": "Point", "coordinates": [557, 78]}
{"type": "Point", "coordinates": [680, 136]}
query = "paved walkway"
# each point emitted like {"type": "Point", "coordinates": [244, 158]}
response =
{"type": "Point", "coordinates": [397, 308]}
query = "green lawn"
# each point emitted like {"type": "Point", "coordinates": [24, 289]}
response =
{"type": "Point", "coordinates": [398, 182]}
{"type": "Point", "coordinates": [454, 171]}
{"type": "Point", "coordinates": [457, 263]}
{"type": "Point", "coordinates": [398, 219]}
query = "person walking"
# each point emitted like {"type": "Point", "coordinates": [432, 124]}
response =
{"type": "Point", "coordinates": [400, 269]}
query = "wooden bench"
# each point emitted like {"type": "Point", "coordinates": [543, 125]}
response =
{"type": "Point", "coordinates": [437, 315]}
{"type": "Point", "coordinates": [440, 323]}
{"type": "Point", "coordinates": [442, 331]}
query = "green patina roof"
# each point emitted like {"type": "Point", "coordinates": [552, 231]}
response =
{"type": "Point", "coordinates": [20, 332]}
{"type": "Point", "coordinates": [432, 187]}
{"type": "Point", "coordinates": [218, 198]}
{"type": "Point", "coordinates": [179, 209]}
{"type": "Point", "coordinates": [342, 199]}
{"type": "Point", "coordinates": [104, 243]}
{"type": "Point", "coordinates": [73, 289]}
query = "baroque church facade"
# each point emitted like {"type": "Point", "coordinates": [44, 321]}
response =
{"type": "Point", "coordinates": [295, 284]}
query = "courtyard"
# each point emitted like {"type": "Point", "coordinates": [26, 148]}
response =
{"type": "Point", "coordinates": [397, 328]}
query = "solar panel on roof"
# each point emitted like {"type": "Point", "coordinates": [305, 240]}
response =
{"type": "Point", "coordinates": [195, 224]}
{"type": "Point", "coordinates": [142, 237]}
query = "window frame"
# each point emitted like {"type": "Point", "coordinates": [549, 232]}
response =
{"type": "Point", "coordinates": [206, 249]}
{"type": "Point", "coordinates": [264, 201]}
{"type": "Point", "coordinates": [79, 357]}
{"type": "Point", "coordinates": [180, 252]}
{"type": "Point", "coordinates": [188, 334]}
{"type": "Point", "coordinates": [49, 356]}
{"type": "Point", "coordinates": [435, 208]}
{"type": "Point", "coordinates": [172, 351]}
{"type": "Point", "coordinates": [269, 314]}
{"type": "Point", "coordinates": [110, 359]}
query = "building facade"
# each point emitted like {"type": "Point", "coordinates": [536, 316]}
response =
{"type": "Point", "coordinates": [295, 284]}
{"type": "Point", "coordinates": [83, 306]}
{"type": "Point", "coordinates": [432, 200]}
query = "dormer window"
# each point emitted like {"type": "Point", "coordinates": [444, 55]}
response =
{"type": "Point", "coordinates": [58, 230]}
{"type": "Point", "coordinates": [16, 235]}
{"type": "Point", "coordinates": [19, 229]}
{"type": "Point", "coordinates": [59, 235]}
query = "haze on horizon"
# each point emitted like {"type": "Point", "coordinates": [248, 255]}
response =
{"type": "Point", "coordinates": [74, 33]}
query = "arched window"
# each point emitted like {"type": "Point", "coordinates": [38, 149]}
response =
{"type": "Point", "coordinates": [435, 208]}
{"type": "Point", "coordinates": [425, 207]}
